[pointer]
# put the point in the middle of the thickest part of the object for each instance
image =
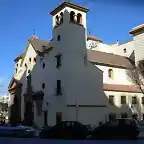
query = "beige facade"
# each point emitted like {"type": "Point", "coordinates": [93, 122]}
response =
{"type": "Point", "coordinates": [75, 76]}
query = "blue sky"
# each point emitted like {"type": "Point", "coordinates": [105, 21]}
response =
{"type": "Point", "coordinates": [109, 20]}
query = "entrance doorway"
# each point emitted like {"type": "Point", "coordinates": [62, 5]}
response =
{"type": "Point", "coordinates": [45, 118]}
{"type": "Point", "coordinates": [58, 117]}
{"type": "Point", "coordinates": [29, 115]}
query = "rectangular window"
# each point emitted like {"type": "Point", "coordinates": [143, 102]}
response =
{"type": "Point", "coordinates": [134, 100]}
{"type": "Point", "coordinates": [111, 100]}
{"type": "Point", "coordinates": [58, 90]}
{"type": "Point", "coordinates": [123, 99]}
{"type": "Point", "coordinates": [142, 100]}
{"type": "Point", "coordinates": [58, 57]}
{"type": "Point", "coordinates": [58, 117]}
{"type": "Point", "coordinates": [39, 107]}
{"type": "Point", "coordinates": [142, 116]}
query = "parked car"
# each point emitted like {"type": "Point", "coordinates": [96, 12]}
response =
{"type": "Point", "coordinates": [66, 130]}
{"type": "Point", "coordinates": [116, 129]}
{"type": "Point", "coordinates": [16, 131]}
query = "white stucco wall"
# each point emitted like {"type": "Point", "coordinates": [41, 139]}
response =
{"type": "Point", "coordinates": [139, 46]}
{"type": "Point", "coordinates": [129, 46]}
{"type": "Point", "coordinates": [118, 108]}
{"type": "Point", "coordinates": [24, 73]}
{"type": "Point", "coordinates": [120, 75]}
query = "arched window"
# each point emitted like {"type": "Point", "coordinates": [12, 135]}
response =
{"type": "Point", "coordinates": [43, 85]}
{"type": "Point", "coordinates": [25, 65]}
{"type": "Point", "coordinates": [61, 17]}
{"type": "Point", "coordinates": [34, 59]}
{"type": "Point", "coordinates": [110, 73]}
{"type": "Point", "coordinates": [72, 15]}
{"type": "Point", "coordinates": [30, 59]}
{"type": "Point", "coordinates": [79, 18]}
{"type": "Point", "coordinates": [57, 20]}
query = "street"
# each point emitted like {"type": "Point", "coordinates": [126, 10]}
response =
{"type": "Point", "coordinates": [4, 140]}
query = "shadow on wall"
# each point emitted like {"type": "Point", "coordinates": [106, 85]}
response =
{"type": "Point", "coordinates": [127, 110]}
{"type": "Point", "coordinates": [23, 95]}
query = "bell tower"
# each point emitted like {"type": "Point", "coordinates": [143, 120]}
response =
{"type": "Point", "coordinates": [77, 14]}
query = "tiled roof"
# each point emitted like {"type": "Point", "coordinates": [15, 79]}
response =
{"type": "Point", "coordinates": [122, 88]}
{"type": "Point", "coordinates": [68, 4]}
{"type": "Point", "coordinates": [109, 59]}
{"type": "Point", "coordinates": [39, 45]}
{"type": "Point", "coordinates": [18, 57]}
{"type": "Point", "coordinates": [13, 84]}
{"type": "Point", "coordinates": [98, 57]}
{"type": "Point", "coordinates": [93, 38]}
{"type": "Point", "coordinates": [137, 29]}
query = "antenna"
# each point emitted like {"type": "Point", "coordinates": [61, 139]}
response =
{"type": "Point", "coordinates": [33, 31]}
{"type": "Point", "coordinates": [89, 31]}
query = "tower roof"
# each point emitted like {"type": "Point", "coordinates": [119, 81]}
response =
{"type": "Point", "coordinates": [68, 4]}
{"type": "Point", "coordinates": [137, 29]}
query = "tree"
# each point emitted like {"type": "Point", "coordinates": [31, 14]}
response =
{"type": "Point", "coordinates": [136, 75]}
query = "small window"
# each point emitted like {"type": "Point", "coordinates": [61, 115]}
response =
{"type": "Point", "coordinates": [142, 100]}
{"type": "Point", "coordinates": [110, 73]}
{"type": "Point", "coordinates": [43, 65]}
{"type": "Point", "coordinates": [57, 20]}
{"type": "Point", "coordinates": [17, 64]}
{"type": "Point", "coordinates": [43, 85]}
{"type": "Point", "coordinates": [29, 71]}
{"type": "Point", "coordinates": [124, 50]}
{"type": "Point", "coordinates": [58, 90]}
{"type": "Point", "coordinates": [58, 38]}
{"type": "Point", "coordinates": [135, 116]}
{"type": "Point", "coordinates": [34, 60]}
{"type": "Point", "coordinates": [111, 100]}
{"type": "Point", "coordinates": [58, 57]}
{"type": "Point", "coordinates": [134, 100]}
{"type": "Point", "coordinates": [30, 59]}
{"type": "Point", "coordinates": [142, 116]}
{"type": "Point", "coordinates": [72, 15]}
{"type": "Point", "coordinates": [112, 116]}
{"type": "Point", "coordinates": [16, 70]}
{"type": "Point", "coordinates": [79, 18]}
{"type": "Point", "coordinates": [124, 115]}
{"type": "Point", "coordinates": [61, 17]}
{"type": "Point", "coordinates": [123, 99]}
{"type": "Point", "coordinates": [25, 65]}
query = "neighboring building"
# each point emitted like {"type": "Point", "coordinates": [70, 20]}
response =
{"type": "Point", "coordinates": [74, 76]}
{"type": "Point", "coordinates": [4, 99]}
{"type": "Point", "coordinates": [4, 107]}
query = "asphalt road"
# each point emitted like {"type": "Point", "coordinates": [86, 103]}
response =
{"type": "Point", "coordinates": [4, 140]}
